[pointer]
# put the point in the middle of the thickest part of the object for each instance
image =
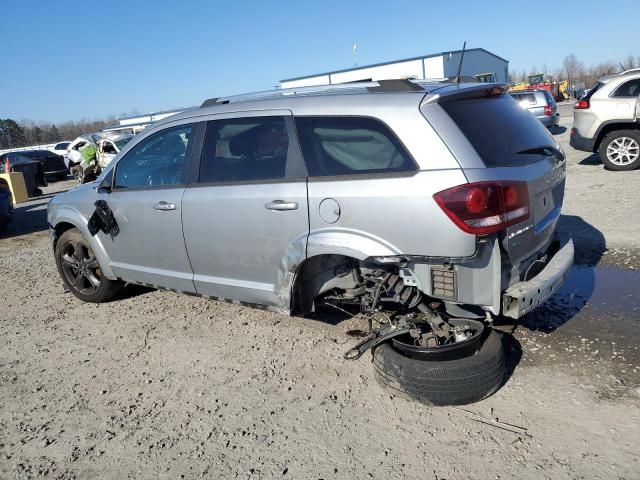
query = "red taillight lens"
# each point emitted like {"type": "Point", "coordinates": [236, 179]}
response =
{"type": "Point", "coordinates": [485, 207]}
{"type": "Point", "coordinates": [580, 104]}
{"type": "Point", "coordinates": [548, 111]}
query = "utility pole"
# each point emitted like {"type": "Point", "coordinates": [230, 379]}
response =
{"type": "Point", "coordinates": [355, 54]}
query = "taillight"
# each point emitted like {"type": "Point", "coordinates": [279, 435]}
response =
{"type": "Point", "coordinates": [485, 207]}
{"type": "Point", "coordinates": [581, 104]}
{"type": "Point", "coordinates": [548, 111]}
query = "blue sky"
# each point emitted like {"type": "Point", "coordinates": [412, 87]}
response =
{"type": "Point", "coordinates": [69, 60]}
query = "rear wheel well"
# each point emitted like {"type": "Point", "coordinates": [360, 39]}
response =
{"type": "Point", "coordinates": [612, 127]}
{"type": "Point", "coordinates": [319, 274]}
{"type": "Point", "coordinates": [59, 229]}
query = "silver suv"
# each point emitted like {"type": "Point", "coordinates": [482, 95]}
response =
{"type": "Point", "coordinates": [607, 120]}
{"type": "Point", "coordinates": [541, 104]}
{"type": "Point", "coordinates": [437, 202]}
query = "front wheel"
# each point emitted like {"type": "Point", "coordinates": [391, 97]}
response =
{"type": "Point", "coordinates": [80, 271]}
{"type": "Point", "coordinates": [620, 150]}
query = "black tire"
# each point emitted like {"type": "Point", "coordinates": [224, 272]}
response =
{"type": "Point", "coordinates": [452, 382]}
{"type": "Point", "coordinates": [71, 249]}
{"type": "Point", "coordinates": [77, 172]}
{"type": "Point", "coordinates": [607, 156]}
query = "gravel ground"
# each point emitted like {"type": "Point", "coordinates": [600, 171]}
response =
{"type": "Point", "coordinates": [160, 385]}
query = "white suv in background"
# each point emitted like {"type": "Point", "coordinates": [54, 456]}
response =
{"type": "Point", "coordinates": [607, 120]}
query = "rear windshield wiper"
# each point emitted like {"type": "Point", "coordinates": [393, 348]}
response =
{"type": "Point", "coordinates": [542, 150]}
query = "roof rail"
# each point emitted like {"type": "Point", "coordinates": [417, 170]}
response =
{"type": "Point", "coordinates": [379, 86]}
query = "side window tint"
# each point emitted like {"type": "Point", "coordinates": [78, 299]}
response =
{"type": "Point", "coordinates": [629, 89]}
{"type": "Point", "coordinates": [245, 149]}
{"type": "Point", "coordinates": [350, 145]}
{"type": "Point", "coordinates": [157, 161]}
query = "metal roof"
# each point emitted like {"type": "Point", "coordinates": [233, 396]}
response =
{"type": "Point", "coordinates": [397, 61]}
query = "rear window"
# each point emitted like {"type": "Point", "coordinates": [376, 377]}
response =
{"type": "Point", "coordinates": [350, 145]}
{"type": "Point", "coordinates": [528, 97]}
{"type": "Point", "coordinates": [499, 129]}
{"type": "Point", "coordinates": [592, 90]}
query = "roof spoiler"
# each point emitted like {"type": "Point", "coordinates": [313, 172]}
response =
{"type": "Point", "coordinates": [463, 91]}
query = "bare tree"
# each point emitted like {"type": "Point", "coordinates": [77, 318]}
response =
{"type": "Point", "coordinates": [574, 68]}
{"type": "Point", "coordinates": [629, 62]}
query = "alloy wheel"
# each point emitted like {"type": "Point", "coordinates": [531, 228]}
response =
{"type": "Point", "coordinates": [623, 151]}
{"type": "Point", "coordinates": [81, 268]}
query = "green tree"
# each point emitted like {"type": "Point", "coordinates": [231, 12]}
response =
{"type": "Point", "coordinates": [11, 134]}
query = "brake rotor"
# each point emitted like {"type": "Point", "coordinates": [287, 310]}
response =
{"type": "Point", "coordinates": [422, 344]}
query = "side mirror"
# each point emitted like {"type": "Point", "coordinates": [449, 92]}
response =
{"type": "Point", "coordinates": [105, 185]}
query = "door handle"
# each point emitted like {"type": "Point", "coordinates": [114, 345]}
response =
{"type": "Point", "coordinates": [280, 205]}
{"type": "Point", "coordinates": [164, 206]}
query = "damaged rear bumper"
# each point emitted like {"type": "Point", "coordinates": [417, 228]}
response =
{"type": "Point", "coordinates": [521, 298]}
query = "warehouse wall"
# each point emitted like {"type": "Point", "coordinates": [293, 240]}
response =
{"type": "Point", "coordinates": [433, 67]}
{"type": "Point", "coordinates": [475, 62]}
{"type": "Point", "coordinates": [307, 82]}
{"type": "Point", "coordinates": [412, 68]}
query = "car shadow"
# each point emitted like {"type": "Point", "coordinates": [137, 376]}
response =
{"type": "Point", "coordinates": [557, 130]}
{"type": "Point", "coordinates": [30, 216]}
{"type": "Point", "coordinates": [512, 354]}
{"type": "Point", "coordinates": [593, 159]}
{"type": "Point", "coordinates": [26, 219]}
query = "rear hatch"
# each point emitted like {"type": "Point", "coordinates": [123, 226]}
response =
{"type": "Point", "coordinates": [508, 144]}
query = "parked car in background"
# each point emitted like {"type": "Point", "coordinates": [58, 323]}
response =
{"type": "Point", "coordinates": [73, 157]}
{"type": "Point", "coordinates": [6, 204]}
{"type": "Point", "coordinates": [391, 195]}
{"type": "Point", "coordinates": [541, 104]}
{"type": "Point", "coordinates": [607, 120]}
{"type": "Point", "coordinates": [53, 164]}
{"type": "Point", "coordinates": [108, 148]}
{"type": "Point", "coordinates": [61, 148]}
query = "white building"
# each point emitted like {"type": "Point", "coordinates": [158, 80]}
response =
{"type": "Point", "coordinates": [477, 61]}
{"type": "Point", "coordinates": [138, 123]}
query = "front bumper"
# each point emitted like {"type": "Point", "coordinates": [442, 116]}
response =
{"type": "Point", "coordinates": [521, 298]}
{"type": "Point", "coordinates": [579, 142]}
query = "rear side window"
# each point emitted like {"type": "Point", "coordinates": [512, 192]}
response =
{"type": "Point", "coordinates": [628, 89]}
{"type": "Point", "coordinates": [248, 149]}
{"type": "Point", "coordinates": [549, 98]}
{"type": "Point", "coordinates": [500, 130]}
{"type": "Point", "coordinates": [334, 146]}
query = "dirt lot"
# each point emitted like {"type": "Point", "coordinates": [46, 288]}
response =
{"type": "Point", "coordinates": [159, 385]}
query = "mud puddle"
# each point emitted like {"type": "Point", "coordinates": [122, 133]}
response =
{"type": "Point", "coordinates": [603, 289]}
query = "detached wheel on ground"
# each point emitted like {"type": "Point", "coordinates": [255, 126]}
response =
{"type": "Point", "coordinates": [80, 270]}
{"type": "Point", "coordinates": [620, 150]}
{"type": "Point", "coordinates": [443, 382]}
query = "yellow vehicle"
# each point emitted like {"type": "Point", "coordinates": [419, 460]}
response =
{"type": "Point", "coordinates": [541, 82]}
